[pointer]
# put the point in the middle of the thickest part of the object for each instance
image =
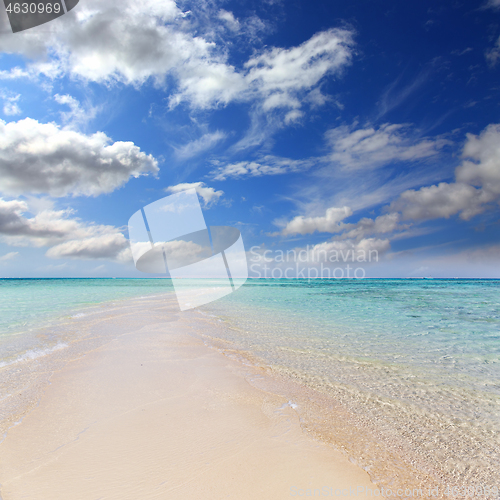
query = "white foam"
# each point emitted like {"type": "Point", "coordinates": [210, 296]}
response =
{"type": "Point", "coordinates": [34, 354]}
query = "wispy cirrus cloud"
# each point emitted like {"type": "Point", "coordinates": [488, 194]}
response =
{"type": "Point", "coordinates": [371, 147]}
{"type": "Point", "coordinates": [395, 94]}
{"type": "Point", "coordinates": [77, 114]}
{"type": "Point", "coordinates": [8, 256]}
{"type": "Point", "coordinates": [267, 165]}
{"type": "Point", "coordinates": [198, 146]}
{"type": "Point", "coordinates": [492, 4]}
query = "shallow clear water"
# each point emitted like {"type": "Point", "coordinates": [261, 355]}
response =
{"type": "Point", "coordinates": [23, 302]}
{"type": "Point", "coordinates": [416, 362]}
{"type": "Point", "coordinates": [28, 304]}
{"type": "Point", "coordinates": [450, 328]}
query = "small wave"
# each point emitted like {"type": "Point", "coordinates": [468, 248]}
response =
{"type": "Point", "coordinates": [33, 354]}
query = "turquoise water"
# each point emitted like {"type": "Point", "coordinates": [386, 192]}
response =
{"type": "Point", "coordinates": [448, 327]}
{"type": "Point", "coordinates": [416, 364]}
{"type": "Point", "coordinates": [25, 303]}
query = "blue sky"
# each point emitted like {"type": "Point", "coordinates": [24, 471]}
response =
{"type": "Point", "coordinates": [335, 126]}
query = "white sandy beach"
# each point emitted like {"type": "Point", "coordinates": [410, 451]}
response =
{"type": "Point", "coordinates": [155, 413]}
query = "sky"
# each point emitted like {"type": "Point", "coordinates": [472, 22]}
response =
{"type": "Point", "coordinates": [363, 126]}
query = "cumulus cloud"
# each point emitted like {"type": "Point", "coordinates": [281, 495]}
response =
{"type": "Point", "coordinates": [209, 195]}
{"type": "Point", "coordinates": [440, 201]}
{"type": "Point", "coordinates": [43, 158]}
{"type": "Point", "coordinates": [198, 146]}
{"type": "Point", "coordinates": [65, 235]}
{"type": "Point", "coordinates": [322, 256]}
{"type": "Point", "coordinates": [136, 42]}
{"type": "Point", "coordinates": [369, 147]}
{"type": "Point", "coordinates": [268, 165]}
{"type": "Point", "coordinates": [328, 223]}
{"type": "Point", "coordinates": [477, 183]}
{"type": "Point", "coordinates": [476, 188]}
{"type": "Point", "coordinates": [482, 166]}
{"type": "Point", "coordinates": [357, 247]}
{"type": "Point", "coordinates": [332, 222]}
{"type": "Point", "coordinates": [383, 224]}
{"type": "Point", "coordinates": [105, 42]}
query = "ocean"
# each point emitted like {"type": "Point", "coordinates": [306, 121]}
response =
{"type": "Point", "coordinates": [402, 375]}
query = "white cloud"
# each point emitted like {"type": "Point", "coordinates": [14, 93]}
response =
{"type": "Point", "coordinates": [8, 256]}
{"type": "Point", "coordinates": [103, 43]}
{"type": "Point", "coordinates": [318, 99]}
{"type": "Point", "coordinates": [152, 40]}
{"type": "Point", "coordinates": [442, 200]}
{"type": "Point", "coordinates": [493, 4]}
{"type": "Point", "coordinates": [42, 158]}
{"type": "Point", "coordinates": [293, 116]}
{"type": "Point", "coordinates": [76, 115]}
{"type": "Point", "coordinates": [268, 165]}
{"type": "Point", "coordinates": [113, 246]}
{"type": "Point", "coordinates": [328, 254]}
{"type": "Point", "coordinates": [363, 246]}
{"type": "Point", "coordinates": [477, 187]}
{"type": "Point", "coordinates": [209, 195]}
{"type": "Point", "coordinates": [277, 76]}
{"type": "Point", "coordinates": [369, 147]}
{"type": "Point", "coordinates": [207, 85]}
{"type": "Point", "coordinates": [10, 100]}
{"type": "Point", "coordinates": [288, 71]}
{"type": "Point", "coordinates": [14, 73]}
{"type": "Point", "coordinates": [484, 151]}
{"type": "Point", "coordinates": [68, 237]}
{"type": "Point", "coordinates": [477, 183]}
{"type": "Point", "coordinates": [198, 146]}
{"type": "Point", "coordinates": [493, 55]}
{"type": "Point", "coordinates": [228, 17]}
{"type": "Point", "coordinates": [329, 223]}
{"type": "Point", "coordinates": [383, 224]}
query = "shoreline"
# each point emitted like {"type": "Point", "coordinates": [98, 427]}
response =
{"type": "Point", "coordinates": [143, 409]}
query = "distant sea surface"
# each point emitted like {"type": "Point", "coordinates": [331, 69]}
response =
{"type": "Point", "coordinates": [403, 375]}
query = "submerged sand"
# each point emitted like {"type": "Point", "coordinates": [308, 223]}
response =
{"type": "Point", "coordinates": [152, 412]}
